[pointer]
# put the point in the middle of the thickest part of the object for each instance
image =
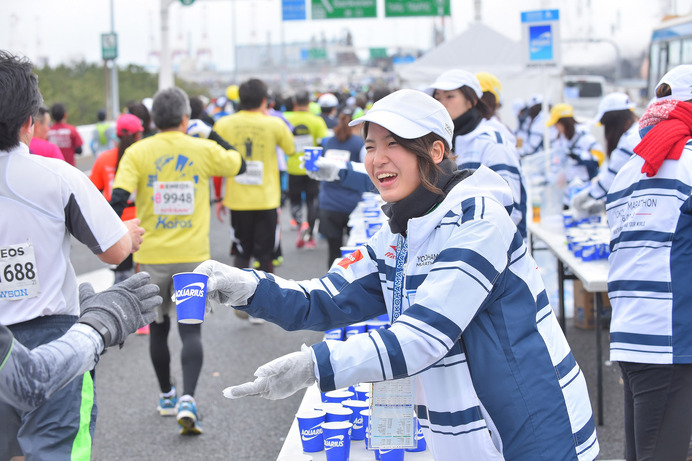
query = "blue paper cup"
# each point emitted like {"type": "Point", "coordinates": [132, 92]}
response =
{"type": "Point", "coordinates": [421, 445]}
{"type": "Point", "coordinates": [337, 441]}
{"type": "Point", "coordinates": [338, 395]}
{"type": "Point", "coordinates": [310, 155]}
{"type": "Point", "coordinates": [361, 390]}
{"type": "Point", "coordinates": [354, 329]}
{"type": "Point", "coordinates": [310, 427]}
{"type": "Point", "coordinates": [392, 454]}
{"type": "Point", "coordinates": [371, 325]}
{"type": "Point", "coordinates": [336, 334]}
{"type": "Point", "coordinates": [190, 296]}
{"type": "Point", "coordinates": [335, 414]}
{"type": "Point", "coordinates": [358, 430]}
{"type": "Point", "coordinates": [366, 421]}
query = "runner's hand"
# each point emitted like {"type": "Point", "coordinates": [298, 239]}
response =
{"type": "Point", "coordinates": [136, 232]}
{"type": "Point", "coordinates": [220, 211]}
{"type": "Point", "coordinates": [279, 378]}
{"type": "Point", "coordinates": [121, 309]}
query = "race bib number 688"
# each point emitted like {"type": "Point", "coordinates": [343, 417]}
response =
{"type": "Point", "coordinates": [18, 273]}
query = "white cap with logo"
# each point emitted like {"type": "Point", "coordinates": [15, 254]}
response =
{"type": "Point", "coordinates": [454, 79]}
{"type": "Point", "coordinates": [410, 114]}
{"type": "Point", "coordinates": [680, 81]}
{"type": "Point", "coordinates": [612, 102]}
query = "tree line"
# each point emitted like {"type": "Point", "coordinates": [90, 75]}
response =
{"type": "Point", "coordinates": [81, 87]}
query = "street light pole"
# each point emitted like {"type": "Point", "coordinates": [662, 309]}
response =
{"type": "Point", "coordinates": [166, 69]}
{"type": "Point", "coordinates": [115, 97]}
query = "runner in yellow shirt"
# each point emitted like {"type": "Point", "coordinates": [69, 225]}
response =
{"type": "Point", "coordinates": [254, 197]}
{"type": "Point", "coordinates": [170, 172]}
{"type": "Point", "coordinates": [309, 130]}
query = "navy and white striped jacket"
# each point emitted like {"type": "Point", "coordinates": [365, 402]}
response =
{"type": "Point", "coordinates": [620, 155]}
{"type": "Point", "coordinates": [494, 376]}
{"type": "Point", "coordinates": [486, 145]}
{"type": "Point", "coordinates": [650, 281]}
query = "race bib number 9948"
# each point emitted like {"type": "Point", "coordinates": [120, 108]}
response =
{"type": "Point", "coordinates": [174, 197]}
{"type": "Point", "coordinates": [18, 273]}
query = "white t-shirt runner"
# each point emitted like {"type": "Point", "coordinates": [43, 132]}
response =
{"type": "Point", "coordinates": [43, 202]}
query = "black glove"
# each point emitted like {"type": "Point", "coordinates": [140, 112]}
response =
{"type": "Point", "coordinates": [120, 310]}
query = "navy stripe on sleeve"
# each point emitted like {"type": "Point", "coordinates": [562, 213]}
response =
{"type": "Point", "coordinates": [639, 285]}
{"type": "Point", "coordinates": [324, 366]}
{"type": "Point", "coordinates": [396, 355]}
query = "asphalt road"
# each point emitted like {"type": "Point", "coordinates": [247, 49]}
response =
{"type": "Point", "coordinates": [129, 427]}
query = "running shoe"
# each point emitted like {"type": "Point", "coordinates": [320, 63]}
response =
{"type": "Point", "coordinates": [257, 321]}
{"type": "Point", "coordinates": [255, 265]}
{"type": "Point", "coordinates": [310, 244]}
{"type": "Point", "coordinates": [278, 261]}
{"type": "Point", "coordinates": [143, 331]}
{"type": "Point", "coordinates": [294, 225]}
{"type": "Point", "coordinates": [188, 419]}
{"type": "Point", "coordinates": [303, 235]}
{"type": "Point", "coordinates": [168, 403]}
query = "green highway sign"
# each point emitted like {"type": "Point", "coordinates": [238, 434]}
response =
{"type": "Point", "coordinates": [398, 8]}
{"type": "Point", "coordinates": [187, 2]}
{"type": "Point", "coordinates": [378, 53]}
{"type": "Point", "coordinates": [109, 46]}
{"type": "Point", "coordinates": [343, 9]}
{"type": "Point", "coordinates": [317, 54]}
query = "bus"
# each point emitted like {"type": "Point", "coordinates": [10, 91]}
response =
{"type": "Point", "coordinates": [671, 45]}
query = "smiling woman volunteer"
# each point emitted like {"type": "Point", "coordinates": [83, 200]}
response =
{"type": "Point", "coordinates": [494, 376]}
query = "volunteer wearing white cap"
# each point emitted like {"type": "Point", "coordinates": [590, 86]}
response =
{"type": "Point", "coordinates": [476, 141]}
{"type": "Point", "coordinates": [494, 376]}
{"type": "Point", "coordinates": [492, 95]}
{"type": "Point", "coordinates": [615, 113]}
{"type": "Point", "coordinates": [576, 152]}
{"type": "Point", "coordinates": [530, 132]}
{"type": "Point", "coordinates": [650, 283]}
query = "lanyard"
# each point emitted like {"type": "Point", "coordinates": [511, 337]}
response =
{"type": "Point", "coordinates": [391, 423]}
{"type": "Point", "coordinates": [401, 256]}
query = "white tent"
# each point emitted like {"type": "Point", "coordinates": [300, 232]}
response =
{"type": "Point", "coordinates": [481, 48]}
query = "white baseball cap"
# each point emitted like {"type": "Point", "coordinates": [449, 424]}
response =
{"type": "Point", "coordinates": [614, 101]}
{"type": "Point", "coordinates": [680, 81]}
{"type": "Point", "coordinates": [327, 100]}
{"type": "Point", "coordinates": [410, 114]}
{"type": "Point", "coordinates": [454, 79]}
{"type": "Point", "coordinates": [535, 99]}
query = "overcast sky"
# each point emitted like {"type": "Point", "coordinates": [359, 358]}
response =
{"type": "Point", "coordinates": [70, 30]}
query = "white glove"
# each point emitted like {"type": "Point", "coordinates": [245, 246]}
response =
{"type": "Point", "coordinates": [228, 286]}
{"type": "Point", "coordinates": [198, 129]}
{"type": "Point", "coordinates": [279, 378]}
{"type": "Point", "coordinates": [584, 205]}
{"type": "Point", "coordinates": [328, 169]}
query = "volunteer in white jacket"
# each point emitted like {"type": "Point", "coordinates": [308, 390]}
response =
{"type": "Point", "coordinates": [476, 141]}
{"type": "Point", "coordinates": [494, 376]}
{"type": "Point", "coordinates": [650, 283]}
{"type": "Point", "coordinates": [576, 153]}
{"type": "Point", "coordinates": [615, 113]}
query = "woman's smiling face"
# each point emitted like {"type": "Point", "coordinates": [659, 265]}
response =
{"type": "Point", "coordinates": [392, 168]}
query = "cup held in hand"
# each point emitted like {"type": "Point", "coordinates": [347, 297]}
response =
{"type": "Point", "coordinates": [311, 154]}
{"type": "Point", "coordinates": [190, 296]}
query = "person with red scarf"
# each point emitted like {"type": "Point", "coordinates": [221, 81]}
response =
{"type": "Point", "coordinates": [649, 212]}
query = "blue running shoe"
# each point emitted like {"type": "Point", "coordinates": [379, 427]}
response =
{"type": "Point", "coordinates": [168, 403]}
{"type": "Point", "coordinates": [188, 419]}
